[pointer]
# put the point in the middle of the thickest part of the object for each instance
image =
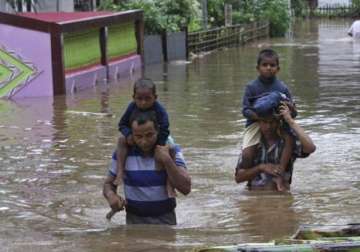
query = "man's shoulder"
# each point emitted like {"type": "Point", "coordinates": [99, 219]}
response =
{"type": "Point", "coordinates": [177, 155]}
{"type": "Point", "coordinates": [175, 148]}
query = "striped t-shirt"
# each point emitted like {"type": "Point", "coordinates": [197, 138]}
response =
{"type": "Point", "coordinates": [145, 185]}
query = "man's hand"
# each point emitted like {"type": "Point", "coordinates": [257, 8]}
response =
{"type": "Point", "coordinates": [116, 202]}
{"type": "Point", "coordinates": [272, 169]}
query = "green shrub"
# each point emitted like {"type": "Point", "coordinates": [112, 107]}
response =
{"type": "Point", "coordinates": [160, 15]}
{"type": "Point", "coordinates": [242, 18]}
{"type": "Point", "coordinates": [215, 10]}
{"type": "Point", "coordinates": [277, 12]}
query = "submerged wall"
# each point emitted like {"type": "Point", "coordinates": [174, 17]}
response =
{"type": "Point", "coordinates": [26, 68]}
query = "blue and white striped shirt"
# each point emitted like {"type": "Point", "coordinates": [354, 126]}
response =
{"type": "Point", "coordinates": [145, 184]}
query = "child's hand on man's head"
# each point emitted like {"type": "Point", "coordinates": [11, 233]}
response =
{"type": "Point", "coordinates": [284, 111]}
{"type": "Point", "coordinates": [290, 105]}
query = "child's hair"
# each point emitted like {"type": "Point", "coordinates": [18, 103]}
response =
{"type": "Point", "coordinates": [142, 117]}
{"type": "Point", "coordinates": [268, 53]}
{"type": "Point", "coordinates": [145, 83]}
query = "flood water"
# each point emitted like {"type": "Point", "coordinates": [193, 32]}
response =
{"type": "Point", "coordinates": [54, 155]}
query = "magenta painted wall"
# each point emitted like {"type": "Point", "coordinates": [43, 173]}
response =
{"type": "Point", "coordinates": [35, 47]}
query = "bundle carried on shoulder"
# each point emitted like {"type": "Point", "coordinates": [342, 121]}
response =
{"type": "Point", "coordinates": [268, 103]}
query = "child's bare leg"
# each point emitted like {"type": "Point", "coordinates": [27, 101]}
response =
{"type": "Point", "coordinates": [169, 188]}
{"type": "Point", "coordinates": [287, 152]}
{"type": "Point", "coordinates": [280, 184]}
{"type": "Point", "coordinates": [121, 153]}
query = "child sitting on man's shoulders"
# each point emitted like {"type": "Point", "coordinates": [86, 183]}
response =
{"type": "Point", "coordinates": [267, 66]}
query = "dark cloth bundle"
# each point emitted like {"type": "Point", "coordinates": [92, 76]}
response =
{"type": "Point", "coordinates": [268, 103]}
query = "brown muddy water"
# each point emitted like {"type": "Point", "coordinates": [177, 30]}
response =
{"type": "Point", "coordinates": [54, 155]}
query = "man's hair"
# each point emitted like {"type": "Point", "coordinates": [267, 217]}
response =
{"type": "Point", "coordinates": [268, 53]}
{"type": "Point", "coordinates": [145, 83]}
{"type": "Point", "coordinates": [273, 117]}
{"type": "Point", "coordinates": [142, 117]}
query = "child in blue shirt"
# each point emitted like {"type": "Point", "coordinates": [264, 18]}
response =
{"type": "Point", "coordinates": [144, 99]}
{"type": "Point", "coordinates": [267, 67]}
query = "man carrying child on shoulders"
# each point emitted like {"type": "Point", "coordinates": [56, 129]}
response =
{"type": "Point", "coordinates": [264, 171]}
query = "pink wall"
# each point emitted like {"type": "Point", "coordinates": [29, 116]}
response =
{"type": "Point", "coordinates": [34, 47]}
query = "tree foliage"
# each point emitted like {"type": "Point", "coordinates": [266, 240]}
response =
{"type": "Point", "coordinates": [245, 11]}
{"type": "Point", "coordinates": [172, 15]}
{"type": "Point", "coordinates": [160, 15]}
{"type": "Point", "coordinates": [278, 14]}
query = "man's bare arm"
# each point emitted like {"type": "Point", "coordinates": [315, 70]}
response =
{"type": "Point", "coordinates": [109, 191]}
{"type": "Point", "coordinates": [306, 142]}
{"type": "Point", "coordinates": [242, 175]}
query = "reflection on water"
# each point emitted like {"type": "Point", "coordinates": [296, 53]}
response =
{"type": "Point", "coordinates": [54, 154]}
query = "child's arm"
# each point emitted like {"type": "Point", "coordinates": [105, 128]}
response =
{"type": "Point", "coordinates": [287, 152]}
{"type": "Point", "coordinates": [163, 119]}
{"type": "Point", "coordinates": [247, 111]}
{"type": "Point", "coordinates": [124, 123]}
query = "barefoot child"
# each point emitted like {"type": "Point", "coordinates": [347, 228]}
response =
{"type": "Point", "coordinates": [267, 83]}
{"type": "Point", "coordinates": [144, 99]}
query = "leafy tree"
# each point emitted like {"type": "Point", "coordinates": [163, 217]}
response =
{"type": "Point", "coordinates": [277, 12]}
{"type": "Point", "coordinates": [215, 10]}
{"type": "Point", "coordinates": [160, 15]}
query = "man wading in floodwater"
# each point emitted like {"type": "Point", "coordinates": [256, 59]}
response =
{"type": "Point", "coordinates": [265, 169]}
{"type": "Point", "coordinates": [146, 196]}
